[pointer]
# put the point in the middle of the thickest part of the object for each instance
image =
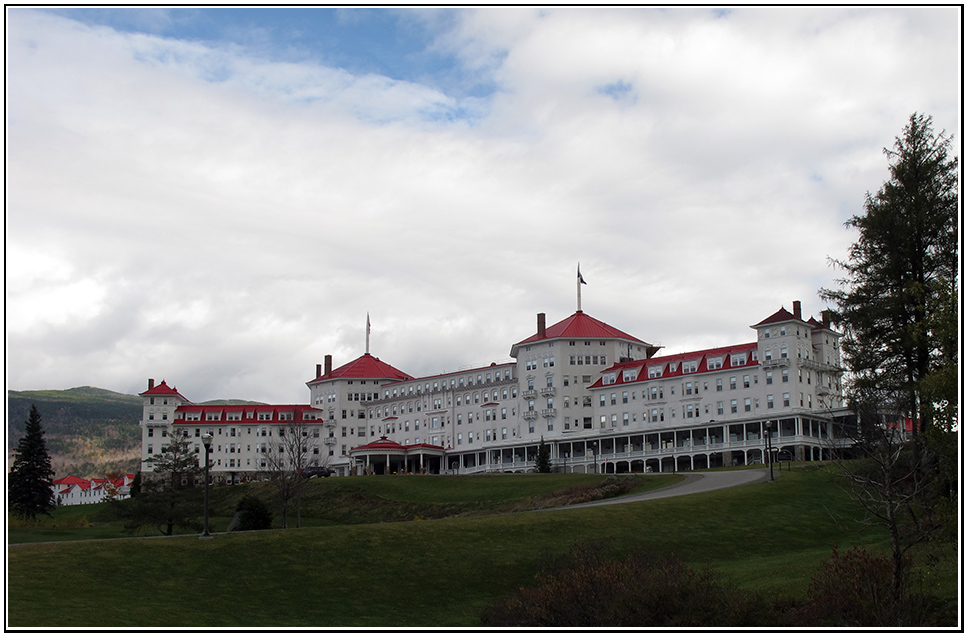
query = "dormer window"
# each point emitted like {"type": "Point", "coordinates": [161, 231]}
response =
{"type": "Point", "coordinates": [738, 359]}
{"type": "Point", "coordinates": [689, 366]}
{"type": "Point", "coordinates": [655, 372]}
{"type": "Point", "coordinates": [630, 375]}
{"type": "Point", "coordinates": [714, 363]}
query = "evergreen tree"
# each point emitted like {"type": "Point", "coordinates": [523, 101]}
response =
{"type": "Point", "coordinates": [31, 488]}
{"type": "Point", "coordinates": [898, 305]}
{"type": "Point", "coordinates": [898, 308]}
{"type": "Point", "coordinates": [543, 462]}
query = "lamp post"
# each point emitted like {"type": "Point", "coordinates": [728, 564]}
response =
{"type": "Point", "coordinates": [767, 448]}
{"type": "Point", "coordinates": [207, 442]}
{"type": "Point", "coordinates": [595, 455]}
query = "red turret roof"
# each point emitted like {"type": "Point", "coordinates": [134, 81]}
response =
{"type": "Point", "coordinates": [162, 389]}
{"type": "Point", "coordinates": [580, 326]}
{"type": "Point", "coordinates": [364, 367]}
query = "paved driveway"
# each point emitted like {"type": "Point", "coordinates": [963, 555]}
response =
{"type": "Point", "coordinates": [694, 483]}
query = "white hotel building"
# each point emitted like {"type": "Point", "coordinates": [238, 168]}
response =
{"type": "Point", "coordinates": [600, 398]}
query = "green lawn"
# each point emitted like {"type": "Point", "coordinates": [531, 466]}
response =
{"type": "Point", "coordinates": [425, 573]}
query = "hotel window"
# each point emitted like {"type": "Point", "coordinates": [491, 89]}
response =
{"type": "Point", "coordinates": [612, 399]}
{"type": "Point", "coordinates": [625, 397]}
{"type": "Point", "coordinates": [784, 377]}
{"type": "Point", "coordinates": [770, 401]}
{"type": "Point", "coordinates": [733, 383]}
{"type": "Point", "coordinates": [719, 407]}
{"type": "Point", "coordinates": [783, 352]}
{"type": "Point", "coordinates": [787, 399]}
{"type": "Point", "coordinates": [746, 405]}
{"type": "Point", "coordinates": [504, 433]}
{"type": "Point", "coordinates": [746, 380]}
{"type": "Point", "coordinates": [719, 385]}
{"type": "Point", "coordinates": [733, 406]}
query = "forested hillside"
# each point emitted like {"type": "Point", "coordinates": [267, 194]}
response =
{"type": "Point", "coordinates": [89, 431]}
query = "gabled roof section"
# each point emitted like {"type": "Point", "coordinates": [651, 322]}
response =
{"type": "Point", "coordinates": [581, 326]}
{"type": "Point", "coordinates": [700, 357]}
{"type": "Point", "coordinates": [781, 316]}
{"type": "Point", "coordinates": [366, 366]}
{"type": "Point", "coordinates": [162, 389]}
{"type": "Point", "coordinates": [246, 414]}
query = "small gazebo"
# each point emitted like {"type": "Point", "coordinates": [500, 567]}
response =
{"type": "Point", "coordinates": [389, 457]}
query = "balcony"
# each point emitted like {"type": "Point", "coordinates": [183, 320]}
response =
{"type": "Point", "coordinates": [548, 413]}
{"type": "Point", "coordinates": [330, 440]}
{"type": "Point", "coordinates": [330, 423]}
{"type": "Point", "coordinates": [548, 392]}
{"type": "Point", "coordinates": [530, 415]}
{"type": "Point", "coordinates": [529, 394]}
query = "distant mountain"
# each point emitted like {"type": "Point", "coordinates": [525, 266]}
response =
{"type": "Point", "coordinates": [89, 431]}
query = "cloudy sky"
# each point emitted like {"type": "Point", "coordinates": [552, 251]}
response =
{"type": "Point", "coordinates": [218, 197]}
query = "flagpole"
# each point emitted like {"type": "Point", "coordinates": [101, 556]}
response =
{"type": "Point", "coordinates": [368, 333]}
{"type": "Point", "coordinates": [578, 288]}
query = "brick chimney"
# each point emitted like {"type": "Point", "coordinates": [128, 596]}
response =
{"type": "Point", "coordinates": [319, 370]}
{"type": "Point", "coordinates": [541, 325]}
{"type": "Point", "coordinates": [328, 364]}
{"type": "Point", "coordinates": [151, 383]}
{"type": "Point", "coordinates": [797, 309]}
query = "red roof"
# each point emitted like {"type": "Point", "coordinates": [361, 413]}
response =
{"type": "Point", "coordinates": [383, 444]}
{"type": "Point", "coordinates": [579, 326]}
{"type": "Point", "coordinates": [365, 367]}
{"type": "Point", "coordinates": [699, 356]}
{"type": "Point", "coordinates": [162, 389]}
{"type": "Point", "coordinates": [299, 413]}
{"type": "Point", "coordinates": [84, 484]}
{"type": "Point", "coordinates": [780, 316]}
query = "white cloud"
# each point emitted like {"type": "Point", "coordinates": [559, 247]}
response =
{"type": "Point", "coordinates": [226, 219]}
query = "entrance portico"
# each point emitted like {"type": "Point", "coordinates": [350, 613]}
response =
{"type": "Point", "coordinates": [389, 457]}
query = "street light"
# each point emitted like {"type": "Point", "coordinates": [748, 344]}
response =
{"type": "Point", "coordinates": [207, 442]}
{"type": "Point", "coordinates": [595, 455]}
{"type": "Point", "coordinates": [767, 448]}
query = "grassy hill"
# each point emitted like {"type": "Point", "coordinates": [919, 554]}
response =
{"type": "Point", "coordinates": [89, 431]}
{"type": "Point", "coordinates": [767, 538]}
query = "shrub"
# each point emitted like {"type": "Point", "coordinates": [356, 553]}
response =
{"type": "Point", "coordinates": [253, 514]}
{"type": "Point", "coordinates": [640, 590]}
{"type": "Point", "coordinates": [854, 589]}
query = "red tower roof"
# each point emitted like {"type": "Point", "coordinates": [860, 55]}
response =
{"type": "Point", "coordinates": [162, 389]}
{"type": "Point", "coordinates": [581, 326]}
{"type": "Point", "coordinates": [364, 367]}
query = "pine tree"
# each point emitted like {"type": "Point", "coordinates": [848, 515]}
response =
{"type": "Point", "coordinates": [899, 301]}
{"type": "Point", "coordinates": [543, 462]}
{"type": "Point", "coordinates": [31, 488]}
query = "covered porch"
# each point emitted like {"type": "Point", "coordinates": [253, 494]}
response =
{"type": "Point", "coordinates": [389, 457]}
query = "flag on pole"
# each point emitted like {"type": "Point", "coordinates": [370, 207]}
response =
{"type": "Point", "coordinates": [579, 273]}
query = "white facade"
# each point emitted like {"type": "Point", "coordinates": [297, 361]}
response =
{"type": "Point", "coordinates": [599, 397]}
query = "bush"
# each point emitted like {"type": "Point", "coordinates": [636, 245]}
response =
{"type": "Point", "coordinates": [639, 590]}
{"type": "Point", "coordinates": [253, 514]}
{"type": "Point", "coordinates": [854, 589]}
